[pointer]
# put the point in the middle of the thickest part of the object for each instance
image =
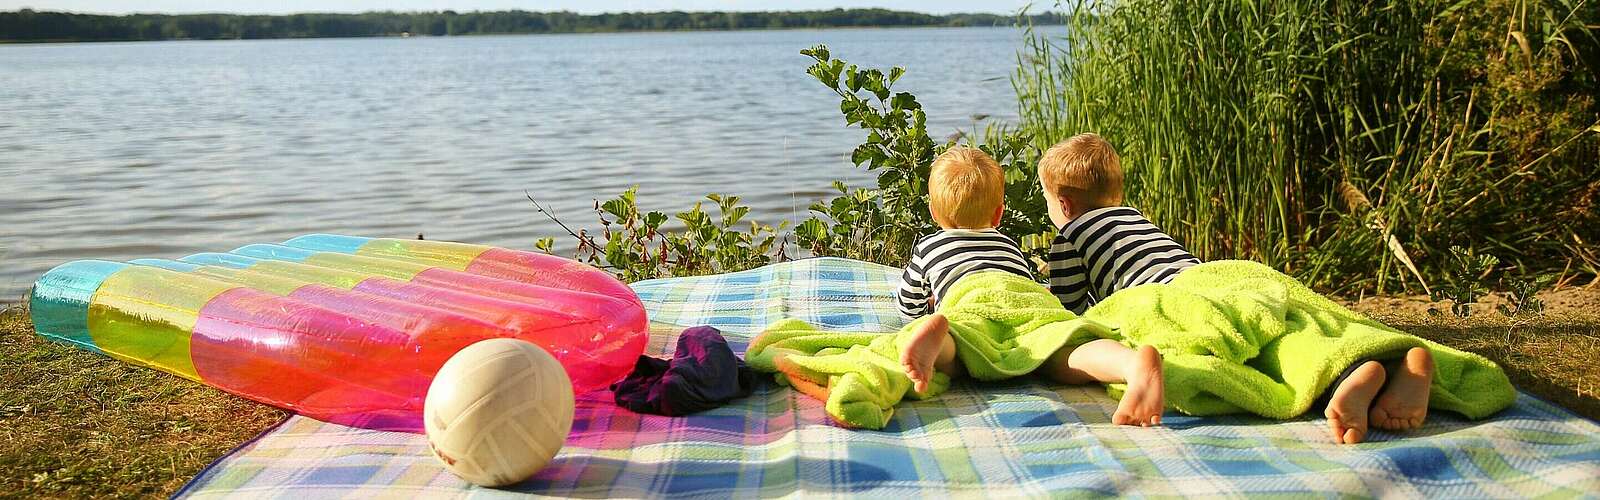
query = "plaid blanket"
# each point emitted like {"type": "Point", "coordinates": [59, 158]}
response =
{"type": "Point", "coordinates": [1020, 438]}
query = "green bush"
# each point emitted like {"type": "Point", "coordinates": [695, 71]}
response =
{"type": "Point", "coordinates": [1341, 140]}
{"type": "Point", "coordinates": [637, 247]}
{"type": "Point", "coordinates": [882, 224]}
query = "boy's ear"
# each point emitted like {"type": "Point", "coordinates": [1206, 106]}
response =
{"type": "Point", "coordinates": [999, 213]}
{"type": "Point", "coordinates": [1066, 206]}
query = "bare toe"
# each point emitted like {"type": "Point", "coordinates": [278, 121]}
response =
{"type": "Point", "coordinates": [1353, 435]}
{"type": "Point", "coordinates": [1378, 418]}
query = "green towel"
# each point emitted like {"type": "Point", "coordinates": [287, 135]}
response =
{"type": "Point", "coordinates": [1004, 325]}
{"type": "Point", "coordinates": [1238, 336]}
{"type": "Point", "coordinates": [1235, 336]}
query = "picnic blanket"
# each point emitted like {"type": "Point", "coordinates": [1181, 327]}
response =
{"type": "Point", "coordinates": [1023, 437]}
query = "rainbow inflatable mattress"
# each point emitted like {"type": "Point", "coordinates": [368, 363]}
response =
{"type": "Point", "coordinates": [340, 328]}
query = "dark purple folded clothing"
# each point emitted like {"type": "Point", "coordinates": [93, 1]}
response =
{"type": "Point", "coordinates": [702, 374]}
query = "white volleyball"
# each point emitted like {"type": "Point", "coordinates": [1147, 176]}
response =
{"type": "Point", "coordinates": [498, 411]}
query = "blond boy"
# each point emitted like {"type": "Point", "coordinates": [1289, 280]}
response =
{"type": "Point", "coordinates": [1102, 247]}
{"type": "Point", "coordinates": [966, 191]}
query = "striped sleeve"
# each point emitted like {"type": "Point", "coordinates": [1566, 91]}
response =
{"type": "Point", "coordinates": [1117, 248]}
{"type": "Point", "coordinates": [1069, 279]}
{"type": "Point", "coordinates": [913, 294]}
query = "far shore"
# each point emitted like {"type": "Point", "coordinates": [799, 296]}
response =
{"type": "Point", "coordinates": [548, 33]}
{"type": "Point", "coordinates": [33, 26]}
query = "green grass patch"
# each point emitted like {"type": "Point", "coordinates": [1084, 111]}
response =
{"type": "Point", "coordinates": [78, 424]}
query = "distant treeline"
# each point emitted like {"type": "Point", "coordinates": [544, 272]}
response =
{"type": "Point", "coordinates": [30, 25]}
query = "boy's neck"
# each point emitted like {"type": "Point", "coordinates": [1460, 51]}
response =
{"type": "Point", "coordinates": [1071, 218]}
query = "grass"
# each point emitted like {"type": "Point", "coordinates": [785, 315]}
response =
{"type": "Point", "coordinates": [76, 424]}
{"type": "Point", "coordinates": [1553, 358]}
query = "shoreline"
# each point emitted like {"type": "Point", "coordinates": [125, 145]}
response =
{"type": "Point", "coordinates": [466, 35]}
{"type": "Point", "coordinates": [568, 23]}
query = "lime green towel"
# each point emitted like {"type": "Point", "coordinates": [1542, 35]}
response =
{"type": "Point", "coordinates": [1235, 336]}
{"type": "Point", "coordinates": [1004, 325]}
{"type": "Point", "coordinates": [1238, 336]}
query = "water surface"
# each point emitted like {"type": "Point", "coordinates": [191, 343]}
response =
{"type": "Point", "coordinates": [161, 149]}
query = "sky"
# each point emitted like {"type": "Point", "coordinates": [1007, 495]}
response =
{"type": "Point", "coordinates": [583, 6]}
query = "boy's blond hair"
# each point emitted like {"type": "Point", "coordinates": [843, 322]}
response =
{"type": "Point", "coordinates": [965, 187]}
{"type": "Point", "coordinates": [1084, 169]}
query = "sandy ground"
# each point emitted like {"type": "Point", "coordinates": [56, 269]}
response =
{"type": "Point", "coordinates": [1568, 302]}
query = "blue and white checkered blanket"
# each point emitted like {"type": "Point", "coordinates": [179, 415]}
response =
{"type": "Point", "coordinates": [1020, 438]}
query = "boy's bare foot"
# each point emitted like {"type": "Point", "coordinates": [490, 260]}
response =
{"type": "Point", "coordinates": [918, 353]}
{"type": "Point", "coordinates": [1347, 408]}
{"type": "Point", "coordinates": [1404, 403]}
{"type": "Point", "coordinates": [1144, 400]}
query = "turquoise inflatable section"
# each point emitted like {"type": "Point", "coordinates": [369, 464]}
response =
{"type": "Point", "coordinates": [220, 260]}
{"type": "Point", "coordinates": [274, 252]}
{"type": "Point", "coordinates": [60, 300]}
{"type": "Point", "coordinates": [170, 265]}
{"type": "Point", "coordinates": [328, 242]}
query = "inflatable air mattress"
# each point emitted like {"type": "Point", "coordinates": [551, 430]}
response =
{"type": "Point", "coordinates": [341, 328]}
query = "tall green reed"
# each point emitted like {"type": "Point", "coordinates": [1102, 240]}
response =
{"type": "Point", "coordinates": [1341, 141]}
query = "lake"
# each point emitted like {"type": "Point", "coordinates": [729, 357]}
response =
{"type": "Point", "coordinates": [160, 149]}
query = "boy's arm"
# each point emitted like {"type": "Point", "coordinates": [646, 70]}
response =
{"type": "Point", "coordinates": [1069, 281]}
{"type": "Point", "coordinates": [913, 295]}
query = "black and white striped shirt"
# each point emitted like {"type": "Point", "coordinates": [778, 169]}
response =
{"type": "Point", "coordinates": [1110, 249]}
{"type": "Point", "coordinates": [939, 259]}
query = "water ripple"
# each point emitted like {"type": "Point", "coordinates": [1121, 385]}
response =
{"type": "Point", "coordinates": [160, 149]}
